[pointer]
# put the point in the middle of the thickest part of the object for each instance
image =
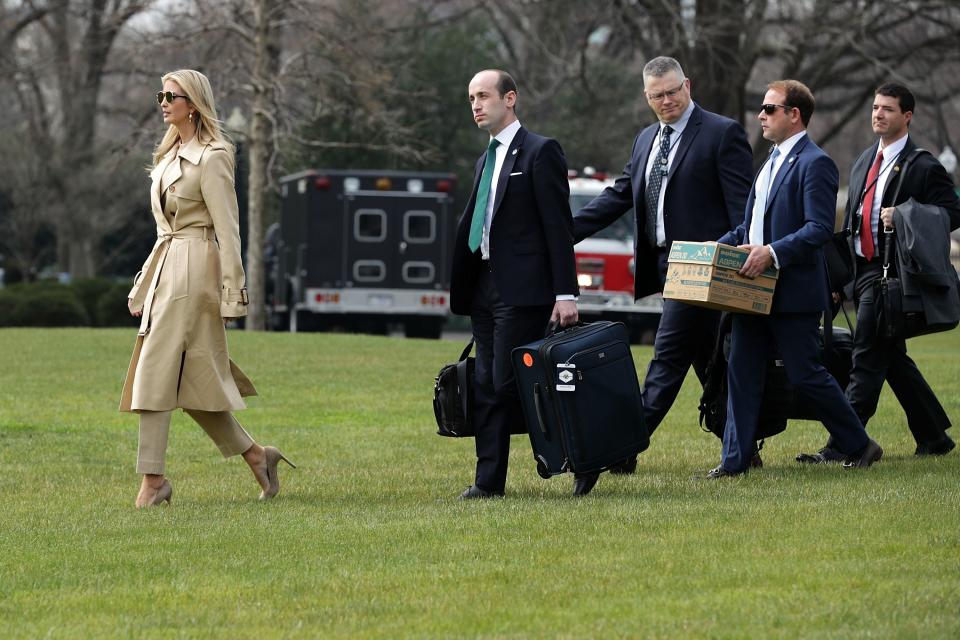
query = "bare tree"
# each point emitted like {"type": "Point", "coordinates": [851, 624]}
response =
{"type": "Point", "coordinates": [55, 57]}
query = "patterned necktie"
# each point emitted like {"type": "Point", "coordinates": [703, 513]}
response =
{"type": "Point", "coordinates": [867, 246]}
{"type": "Point", "coordinates": [764, 182]}
{"type": "Point", "coordinates": [657, 172]}
{"type": "Point", "coordinates": [483, 195]}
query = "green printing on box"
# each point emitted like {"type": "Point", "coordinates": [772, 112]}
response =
{"type": "Point", "coordinates": [712, 253]}
{"type": "Point", "coordinates": [705, 273]}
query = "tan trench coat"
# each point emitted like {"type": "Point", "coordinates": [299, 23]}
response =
{"type": "Point", "coordinates": [192, 279]}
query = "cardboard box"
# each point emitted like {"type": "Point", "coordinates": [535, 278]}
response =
{"type": "Point", "coordinates": [705, 274]}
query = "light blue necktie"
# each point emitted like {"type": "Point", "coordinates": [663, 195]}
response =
{"type": "Point", "coordinates": [483, 196]}
{"type": "Point", "coordinates": [760, 202]}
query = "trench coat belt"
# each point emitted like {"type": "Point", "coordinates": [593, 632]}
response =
{"type": "Point", "coordinates": [155, 265]}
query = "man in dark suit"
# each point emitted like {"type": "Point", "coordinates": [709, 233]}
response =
{"type": "Point", "coordinates": [870, 202]}
{"type": "Point", "coordinates": [687, 179]}
{"type": "Point", "coordinates": [513, 266]}
{"type": "Point", "coordinates": [789, 217]}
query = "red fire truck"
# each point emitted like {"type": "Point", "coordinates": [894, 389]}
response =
{"type": "Point", "coordinates": [605, 267]}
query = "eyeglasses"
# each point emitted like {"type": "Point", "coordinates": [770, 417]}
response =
{"type": "Point", "coordinates": [169, 95]}
{"type": "Point", "coordinates": [672, 93]}
{"type": "Point", "coordinates": [770, 108]}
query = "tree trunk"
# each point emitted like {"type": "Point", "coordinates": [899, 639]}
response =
{"type": "Point", "coordinates": [265, 65]}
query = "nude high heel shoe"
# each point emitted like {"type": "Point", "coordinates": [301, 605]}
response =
{"type": "Point", "coordinates": [272, 457]}
{"type": "Point", "coordinates": [163, 494]}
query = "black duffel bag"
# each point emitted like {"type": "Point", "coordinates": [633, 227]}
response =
{"type": "Point", "coordinates": [453, 397]}
{"type": "Point", "coordinates": [779, 402]}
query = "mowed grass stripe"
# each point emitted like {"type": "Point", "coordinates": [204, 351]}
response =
{"type": "Point", "coordinates": [366, 539]}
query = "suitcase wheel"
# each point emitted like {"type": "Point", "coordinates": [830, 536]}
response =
{"type": "Point", "coordinates": [542, 470]}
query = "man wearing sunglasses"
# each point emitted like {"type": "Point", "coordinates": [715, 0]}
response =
{"type": "Point", "coordinates": [789, 216]}
{"type": "Point", "coordinates": [870, 203]}
{"type": "Point", "coordinates": [687, 179]}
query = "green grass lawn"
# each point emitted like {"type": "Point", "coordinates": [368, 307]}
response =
{"type": "Point", "coordinates": [367, 540]}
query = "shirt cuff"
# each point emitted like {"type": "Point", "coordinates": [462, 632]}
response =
{"type": "Point", "coordinates": [566, 296]}
{"type": "Point", "coordinates": [773, 254]}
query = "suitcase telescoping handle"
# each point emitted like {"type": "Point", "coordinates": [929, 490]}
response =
{"type": "Point", "coordinates": [538, 404]}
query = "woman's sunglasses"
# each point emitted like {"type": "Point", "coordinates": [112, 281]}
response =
{"type": "Point", "coordinates": [770, 108]}
{"type": "Point", "coordinates": [169, 95]}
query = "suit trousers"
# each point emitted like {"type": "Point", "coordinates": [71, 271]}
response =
{"type": "Point", "coordinates": [498, 328]}
{"type": "Point", "coordinates": [221, 426]}
{"type": "Point", "coordinates": [876, 359]}
{"type": "Point", "coordinates": [686, 336]}
{"type": "Point", "coordinates": [796, 335]}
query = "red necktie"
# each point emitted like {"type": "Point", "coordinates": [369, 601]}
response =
{"type": "Point", "coordinates": [866, 229]}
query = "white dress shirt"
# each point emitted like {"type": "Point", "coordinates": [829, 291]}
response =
{"type": "Point", "coordinates": [890, 155]}
{"type": "Point", "coordinates": [678, 128]}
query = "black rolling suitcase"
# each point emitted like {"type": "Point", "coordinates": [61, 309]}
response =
{"type": "Point", "coordinates": [581, 399]}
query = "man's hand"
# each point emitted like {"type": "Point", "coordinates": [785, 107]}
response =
{"type": "Point", "coordinates": [135, 314]}
{"type": "Point", "coordinates": [565, 313]}
{"type": "Point", "coordinates": [757, 262]}
{"type": "Point", "coordinates": [886, 216]}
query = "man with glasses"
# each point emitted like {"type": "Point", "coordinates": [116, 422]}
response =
{"type": "Point", "coordinates": [873, 183]}
{"type": "Point", "coordinates": [687, 179]}
{"type": "Point", "coordinates": [790, 215]}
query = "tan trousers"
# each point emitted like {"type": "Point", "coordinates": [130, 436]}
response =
{"type": "Point", "coordinates": [221, 426]}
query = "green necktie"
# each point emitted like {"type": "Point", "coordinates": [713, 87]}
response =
{"type": "Point", "coordinates": [483, 195]}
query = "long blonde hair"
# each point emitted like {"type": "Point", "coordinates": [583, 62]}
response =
{"type": "Point", "coordinates": [209, 128]}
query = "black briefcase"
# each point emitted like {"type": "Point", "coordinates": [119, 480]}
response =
{"type": "Point", "coordinates": [453, 397]}
{"type": "Point", "coordinates": [779, 402]}
{"type": "Point", "coordinates": [581, 399]}
{"type": "Point", "coordinates": [900, 316]}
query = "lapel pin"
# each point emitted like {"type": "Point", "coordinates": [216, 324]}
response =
{"type": "Point", "coordinates": [896, 169]}
{"type": "Point", "coordinates": [515, 151]}
{"type": "Point", "coordinates": [792, 158]}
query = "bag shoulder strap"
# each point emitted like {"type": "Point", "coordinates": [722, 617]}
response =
{"type": "Point", "coordinates": [903, 169]}
{"type": "Point", "coordinates": [466, 351]}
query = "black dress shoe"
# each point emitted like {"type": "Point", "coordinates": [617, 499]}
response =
{"type": "Point", "coordinates": [870, 454]}
{"type": "Point", "coordinates": [719, 472]}
{"type": "Point", "coordinates": [625, 468]}
{"type": "Point", "coordinates": [826, 455]}
{"type": "Point", "coordinates": [583, 483]}
{"type": "Point", "coordinates": [939, 448]}
{"type": "Point", "coordinates": [756, 462]}
{"type": "Point", "coordinates": [474, 492]}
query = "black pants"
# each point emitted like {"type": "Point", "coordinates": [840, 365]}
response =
{"type": "Point", "coordinates": [498, 328]}
{"type": "Point", "coordinates": [876, 359]}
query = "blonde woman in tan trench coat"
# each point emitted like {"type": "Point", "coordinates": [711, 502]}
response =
{"type": "Point", "coordinates": [190, 284]}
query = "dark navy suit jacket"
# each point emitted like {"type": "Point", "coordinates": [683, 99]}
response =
{"type": "Point", "coordinates": [705, 194]}
{"type": "Point", "coordinates": [531, 236]}
{"type": "Point", "coordinates": [800, 216]}
{"type": "Point", "coordinates": [926, 181]}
